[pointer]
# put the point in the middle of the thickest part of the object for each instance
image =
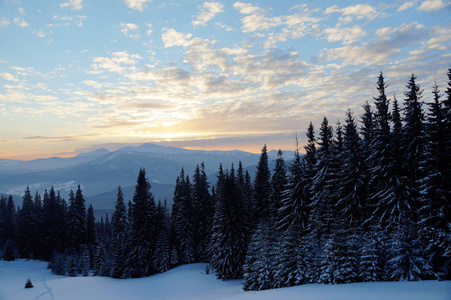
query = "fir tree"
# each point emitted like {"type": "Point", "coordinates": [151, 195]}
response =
{"type": "Point", "coordinates": [84, 260]}
{"type": "Point", "coordinates": [163, 250]}
{"type": "Point", "coordinates": [434, 206]}
{"type": "Point", "coordinates": [102, 264]}
{"type": "Point", "coordinates": [412, 139]}
{"type": "Point", "coordinates": [183, 216]}
{"type": "Point", "coordinates": [143, 228]}
{"type": "Point", "coordinates": [262, 190]}
{"type": "Point", "coordinates": [369, 265]}
{"type": "Point", "coordinates": [322, 204]}
{"type": "Point", "coordinates": [351, 192]}
{"type": "Point", "coordinates": [2, 220]}
{"type": "Point", "coordinates": [407, 262]}
{"type": "Point", "coordinates": [91, 235]}
{"type": "Point", "coordinates": [204, 211]}
{"type": "Point", "coordinates": [279, 181]}
{"type": "Point", "coordinates": [120, 239]}
{"type": "Point", "coordinates": [27, 227]}
{"type": "Point", "coordinates": [295, 199]}
{"type": "Point", "coordinates": [10, 221]}
{"type": "Point", "coordinates": [229, 235]}
{"type": "Point", "coordinates": [261, 265]}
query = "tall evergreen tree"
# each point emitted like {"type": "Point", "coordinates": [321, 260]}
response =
{"type": "Point", "coordinates": [10, 221]}
{"type": "Point", "coordinates": [120, 238]}
{"type": "Point", "coordinates": [27, 227]}
{"type": "Point", "coordinates": [380, 158]}
{"type": "Point", "coordinates": [435, 210]}
{"type": "Point", "coordinates": [412, 139]}
{"type": "Point", "coordinates": [262, 190]}
{"type": "Point", "coordinates": [203, 212]}
{"type": "Point", "coordinates": [279, 181]}
{"type": "Point", "coordinates": [351, 192]}
{"type": "Point", "coordinates": [143, 228]}
{"type": "Point", "coordinates": [2, 220]}
{"type": "Point", "coordinates": [296, 198]}
{"type": "Point", "coordinates": [229, 234]}
{"type": "Point", "coordinates": [76, 219]}
{"type": "Point", "coordinates": [321, 216]}
{"type": "Point", "coordinates": [163, 249]}
{"type": "Point", "coordinates": [91, 234]}
{"type": "Point", "coordinates": [183, 215]}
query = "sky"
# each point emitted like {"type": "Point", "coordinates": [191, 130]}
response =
{"type": "Point", "coordinates": [77, 75]}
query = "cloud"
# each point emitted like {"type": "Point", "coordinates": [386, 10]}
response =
{"type": "Point", "coordinates": [149, 105]}
{"type": "Point", "coordinates": [130, 30]}
{"type": "Point", "coordinates": [136, 4]}
{"type": "Point", "coordinates": [39, 33]}
{"type": "Point", "coordinates": [348, 35]}
{"type": "Point", "coordinates": [355, 12]}
{"type": "Point", "coordinates": [4, 22]}
{"type": "Point", "coordinates": [207, 12]}
{"type": "Point", "coordinates": [118, 62]}
{"type": "Point", "coordinates": [60, 139]}
{"type": "Point", "coordinates": [67, 20]}
{"type": "Point", "coordinates": [171, 37]}
{"type": "Point", "coordinates": [20, 22]}
{"type": "Point", "coordinates": [223, 26]}
{"type": "Point", "coordinates": [93, 84]}
{"type": "Point", "coordinates": [256, 19]}
{"type": "Point", "coordinates": [294, 26]}
{"type": "Point", "coordinates": [382, 51]}
{"type": "Point", "coordinates": [431, 5]}
{"type": "Point", "coordinates": [149, 29]}
{"type": "Point", "coordinates": [407, 5]}
{"type": "Point", "coordinates": [8, 76]}
{"type": "Point", "coordinates": [74, 4]}
{"type": "Point", "coordinates": [21, 11]}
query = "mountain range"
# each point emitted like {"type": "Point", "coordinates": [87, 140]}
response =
{"type": "Point", "coordinates": [101, 171]}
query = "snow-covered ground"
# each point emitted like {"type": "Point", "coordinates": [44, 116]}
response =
{"type": "Point", "coordinates": [191, 282]}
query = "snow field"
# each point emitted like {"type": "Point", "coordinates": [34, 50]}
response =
{"type": "Point", "coordinates": [191, 282]}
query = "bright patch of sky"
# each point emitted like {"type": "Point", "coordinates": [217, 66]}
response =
{"type": "Point", "coordinates": [78, 74]}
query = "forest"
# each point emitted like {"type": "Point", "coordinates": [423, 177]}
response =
{"type": "Point", "coordinates": [368, 201]}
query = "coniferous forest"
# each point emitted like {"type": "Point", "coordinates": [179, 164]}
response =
{"type": "Point", "coordinates": [368, 201]}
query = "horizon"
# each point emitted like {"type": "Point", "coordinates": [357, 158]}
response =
{"type": "Point", "coordinates": [114, 147]}
{"type": "Point", "coordinates": [76, 75]}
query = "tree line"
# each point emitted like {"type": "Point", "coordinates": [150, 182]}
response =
{"type": "Point", "coordinates": [367, 202]}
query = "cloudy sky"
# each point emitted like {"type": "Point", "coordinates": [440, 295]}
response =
{"type": "Point", "coordinates": [76, 75]}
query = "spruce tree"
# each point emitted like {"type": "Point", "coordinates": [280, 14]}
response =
{"type": "Point", "coordinates": [434, 206]}
{"type": "Point", "coordinates": [2, 220]}
{"type": "Point", "coordinates": [229, 234]}
{"type": "Point", "coordinates": [351, 192]}
{"type": "Point", "coordinates": [143, 228]}
{"type": "Point", "coordinates": [380, 158]}
{"type": "Point", "coordinates": [37, 201]}
{"type": "Point", "coordinates": [263, 205]}
{"type": "Point", "coordinates": [10, 221]}
{"type": "Point", "coordinates": [412, 139]}
{"type": "Point", "coordinates": [183, 214]}
{"type": "Point", "coordinates": [203, 212]}
{"type": "Point", "coordinates": [120, 239]}
{"type": "Point", "coordinates": [321, 216]}
{"type": "Point", "coordinates": [163, 250]}
{"type": "Point", "coordinates": [295, 199]}
{"type": "Point", "coordinates": [279, 181]}
{"type": "Point", "coordinates": [102, 263]}
{"type": "Point", "coordinates": [91, 235]}
{"type": "Point", "coordinates": [27, 227]}
{"type": "Point", "coordinates": [261, 263]}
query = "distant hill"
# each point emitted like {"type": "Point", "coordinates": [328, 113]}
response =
{"type": "Point", "coordinates": [100, 172]}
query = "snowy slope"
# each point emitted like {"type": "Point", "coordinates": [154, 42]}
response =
{"type": "Point", "coordinates": [190, 282]}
